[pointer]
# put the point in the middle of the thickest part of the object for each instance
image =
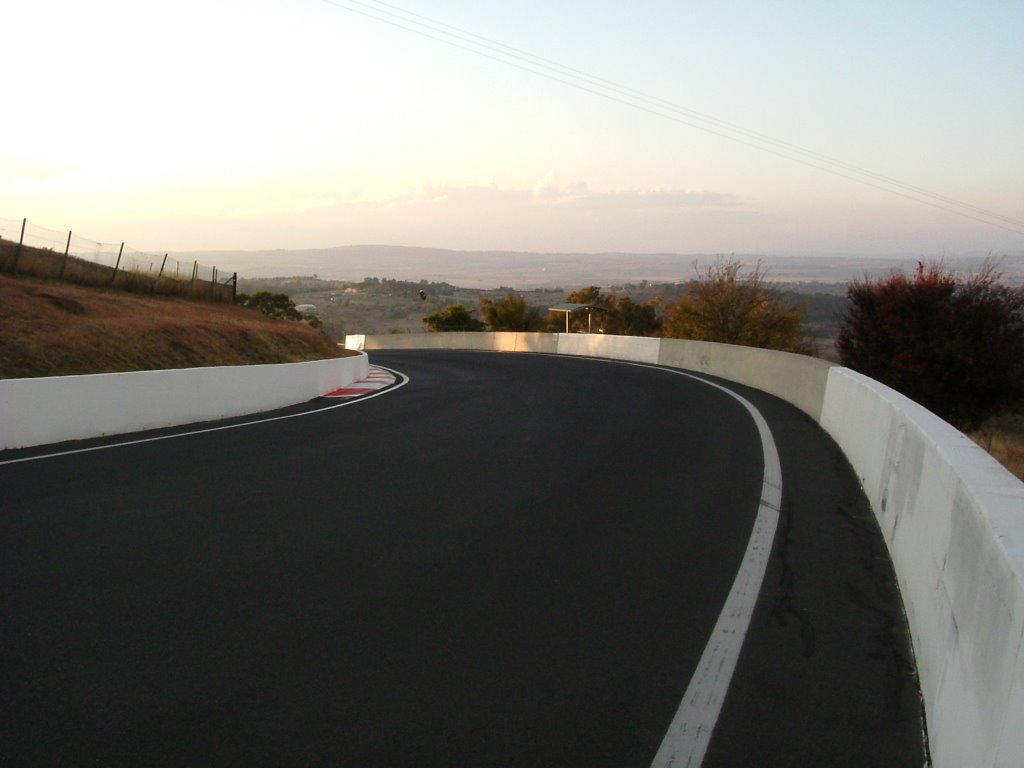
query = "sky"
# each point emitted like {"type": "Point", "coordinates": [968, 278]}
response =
{"type": "Point", "coordinates": [734, 126]}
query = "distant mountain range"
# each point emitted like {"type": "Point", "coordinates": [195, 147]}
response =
{"type": "Point", "coordinates": [524, 270]}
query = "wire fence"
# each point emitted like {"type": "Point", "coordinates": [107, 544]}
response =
{"type": "Point", "coordinates": [27, 248]}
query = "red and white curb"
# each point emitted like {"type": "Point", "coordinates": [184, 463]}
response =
{"type": "Point", "coordinates": [377, 379]}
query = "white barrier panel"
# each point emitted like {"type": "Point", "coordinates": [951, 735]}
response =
{"type": "Point", "coordinates": [591, 345]}
{"type": "Point", "coordinates": [798, 379]}
{"type": "Point", "coordinates": [54, 409]}
{"type": "Point", "coordinates": [527, 342]}
{"type": "Point", "coordinates": [953, 519]}
{"type": "Point", "coordinates": [492, 341]}
{"type": "Point", "coordinates": [452, 340]}
{"type": "Point", "coordinates": [634, 348]}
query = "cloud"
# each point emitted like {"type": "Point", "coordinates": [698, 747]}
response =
{"type": "Point", "coordinates": [636, 199]}
{"type": "Point", "coordinates": [547, 216]}
{"type": "Point", "coordinates": [549, 193]}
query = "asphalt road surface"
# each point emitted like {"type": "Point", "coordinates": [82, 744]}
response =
{"type": "Point", "coordinates": [511, 560]}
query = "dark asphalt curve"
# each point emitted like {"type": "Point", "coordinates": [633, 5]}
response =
{"type": "Point", "coordinates": [513, 560]}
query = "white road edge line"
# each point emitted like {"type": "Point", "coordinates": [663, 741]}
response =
{"type": "Point", "coordinates": [363, 398]}
{"type": "Point", "coordinates": [688, 736]}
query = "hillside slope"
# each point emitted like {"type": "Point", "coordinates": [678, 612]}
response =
{"type": "Point", "coordinates": [57, 329]}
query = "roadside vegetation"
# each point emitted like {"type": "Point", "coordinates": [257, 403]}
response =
{"type": "Point", "coordinates": [725, 304]}
{"type": "Point", "coordinates": [454, 318]}
{"type": "Point", "coordinates": [512, 313]}
{"type": "Point", "coordinates": [49, 328]}
{"type": "Point", "coordinates": [953, 343]}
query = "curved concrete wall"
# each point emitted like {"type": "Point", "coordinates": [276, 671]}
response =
{"type": "Point", "coordinates": [798, 379]}
{"type": "Point", "coordinates": [633, 348]}
{"type": "Point", "coordinates": [54, 409]}
{"type": "Point", "coordinates": [493, 342]}
{"type": "Point", "coordinates": [953, 519]}
{"type": "Point", "coordinates": [954, 522]}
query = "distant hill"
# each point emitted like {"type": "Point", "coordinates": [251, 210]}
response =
{"type": "Point", "coordinates": [526, 270]}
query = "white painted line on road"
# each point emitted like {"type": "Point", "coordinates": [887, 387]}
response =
{"type": "Point", "coordinates": [687, 739]}
{"type": "Point", "coordinates": [404, 380]}
{"type": "Point", "coordinates": [688, 736]}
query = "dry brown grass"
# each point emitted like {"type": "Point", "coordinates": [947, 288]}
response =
{"type": "Point", "coordinates": [56, 329]}
{"type": "Point", "coordinates": [1005, 445]}
{"type": "Point", "coordinates": [51, 265]}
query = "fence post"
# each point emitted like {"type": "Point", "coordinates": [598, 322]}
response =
{"type": "Point", "coordinates": [213, 285]}
{"type": "Point", "coordinates": [17, 253]}
{"type": "Point", "coordinates": [234, 288]}
{"type": "Point", "coordinates": [160, 273]}
{"type": "Point", "coordinates": [113, 277]}
{"type": "Point", "coordinates": [64, 265]}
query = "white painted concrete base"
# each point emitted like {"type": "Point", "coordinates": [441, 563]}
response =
{"type": "Point", "coordinates": [54, 409]}
{"type": "Point", "coordinates": [953, 519]}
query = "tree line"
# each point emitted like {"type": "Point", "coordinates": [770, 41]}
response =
{"type": "Point", "coordinates": [725, 304]}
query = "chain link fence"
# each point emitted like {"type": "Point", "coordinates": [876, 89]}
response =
{"type": "Point", "coordinates": [29, 249]}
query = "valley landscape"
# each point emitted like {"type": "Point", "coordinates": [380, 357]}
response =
{"type": "Point", "coordinates": [375, 288]}
{"type": "Point", "coordinates": [531, 270]}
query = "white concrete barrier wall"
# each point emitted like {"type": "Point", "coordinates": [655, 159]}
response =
{"type": "Point", "coordinates": [797, 379]}
{"type": "Point", "coordinates": [54, 409]}
{"type": "Point", "coordinates": [953, 519]}
{"type": "Point", "coordinates": [497, 342]}
{"type": "Point", "coordinates": [633, 348]}
{"type": "Point", "coordinates": [528, 342]}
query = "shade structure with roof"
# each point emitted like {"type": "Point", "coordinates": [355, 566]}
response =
{"type": "Point", "coordinates": [570, 308]}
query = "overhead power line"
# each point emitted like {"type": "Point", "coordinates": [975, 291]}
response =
{"type": "Point", "coordinates": [479, 45]}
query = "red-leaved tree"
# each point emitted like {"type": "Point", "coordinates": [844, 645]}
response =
{"type": "Point", "coordinates": [955, 345]}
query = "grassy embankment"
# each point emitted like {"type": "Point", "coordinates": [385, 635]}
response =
{"type": "Point", "coordinates": [49, 328]}
{"type": "Point", "coordinates": [1004, 440]}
